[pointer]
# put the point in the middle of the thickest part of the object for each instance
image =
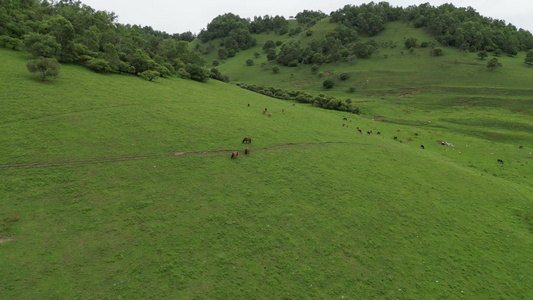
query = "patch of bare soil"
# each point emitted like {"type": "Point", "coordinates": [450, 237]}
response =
{"type": "Point", "coordinates": [5, 239]}
{"type": "Point", "coordinates": [409, 92]}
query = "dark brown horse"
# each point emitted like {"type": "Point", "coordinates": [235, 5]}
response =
{"type": "Point", "coordinates": [234, 154]}
{"type": "Point", "coordinates": [247, 151]}
{"type": "Point", "coordinates": [422, 146]}
{"type": "Point", "coordinates": [247, 140]}
{"type": "Point", "coordinates": [359, 130]}
{"type": "Point", "coordinates": [500, 161]}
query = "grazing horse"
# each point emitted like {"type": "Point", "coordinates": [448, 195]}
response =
{"type": "Point", "coordinates": [520, 147]}
{"type": "Point", "coordinates": [264, 111]}
{"type": "Point", "coordinates": [368, 132]}
{"type": "Point", "coordinates": [379, 132]}
{"type": "Point", "coordinates": [247, 140]}
{"type": "Point", "coordinates": [247, 151]}
{"type": "Point", "coordinates": [395, 137]}
{"type": "Point", "coordinates": [344, 119]}
{"type": "Point", "coordinates": [293, 104]}
{"type": "Point", "coordinates": [500, 161]}
{"type": "Point", "coordinates": [283, 110]}
{"type": "Point", "coordinates": [234, 154]}
{"type": "Point", "coordinates": [359, 130]}
{"type": "Point", "coordinates": [416, 133]}
{"type": "Point", "coordinates": [248, 104]}
{"type": "Point", "coordinates": [343, 124]}
{"type": "Point", "coordinates": [422, 146]}
{"type": "Point", "coordinates": [270, 115]}
{"type": "Point", "coordinates": [398, 129]}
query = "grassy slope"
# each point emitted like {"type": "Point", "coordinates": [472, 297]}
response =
{"type": "Point", "coordinates": [109, 210]}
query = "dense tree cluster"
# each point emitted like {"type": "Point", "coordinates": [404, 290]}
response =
{"type": "Point", "coordinates": [73, 32]}
{"type": "Point", "coordinates": [368, 18]}
{"type": "Point", "coordinates": [468, 30]}
{"type": "Point", "coordinates": [320, 100]}
{"type": "Point", "coordinates": [309, 17]}
{"type": "Point", "coordinates": [235, 32]}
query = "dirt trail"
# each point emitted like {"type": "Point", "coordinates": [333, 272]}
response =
{"type": "Point", "coordinates": [140, 156]}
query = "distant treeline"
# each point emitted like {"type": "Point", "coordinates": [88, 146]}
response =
{"type": "Point", "coordinates": [73, 32]}
{"type": "Point", "coordinates": [463, 28]}
{"type": "Point", "coordinates": [321, 100]}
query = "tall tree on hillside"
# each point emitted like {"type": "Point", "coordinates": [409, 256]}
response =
{"type": "Point", "coordinates": [64, 33]}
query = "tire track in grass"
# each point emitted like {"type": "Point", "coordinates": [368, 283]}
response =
{"type": "Point", "coordinates": [97, 160]}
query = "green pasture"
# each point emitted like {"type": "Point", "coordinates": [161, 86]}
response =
{"type": "Point", "coordinates": [116, 187]}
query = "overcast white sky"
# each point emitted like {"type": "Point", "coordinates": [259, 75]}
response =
{"type": "Point", "coordinates": [181, 16]}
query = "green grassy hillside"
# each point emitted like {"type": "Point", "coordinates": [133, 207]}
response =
{"type": "Point", "coordinates": [116, 187]}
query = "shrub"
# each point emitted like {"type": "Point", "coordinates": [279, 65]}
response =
{"type": "Point", "coordinates": [249, 62]}
{"type": "Point", "coordinates": [275, 70]}
{"type": "Point", "coordinates": [328, 83]}
{"type": "Point", "coordinates": [98, 65]}
{"type": "Point", "coordinates": [149, 75]}
{"type": "Point", "coordinates": [437, 52]}
{"type": "Point", "coordinates": [343, 76]}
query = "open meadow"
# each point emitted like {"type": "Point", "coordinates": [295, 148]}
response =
{"type": "Point", "coordinates": [116, 187]}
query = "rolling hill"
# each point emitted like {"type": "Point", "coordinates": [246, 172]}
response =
{"type": "Point", "coordinates": [116, 187]}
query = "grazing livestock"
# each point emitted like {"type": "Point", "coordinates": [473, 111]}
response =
{"type": "Point", "coordinates": [344, 119]}
{"type": "Point", "coordinates": [416, 133]}
{"type": "Point", "coordinates": [395, 137]}
{"type": "Point", "coordinates": [520, 147]}
{"type": "Point", "coordinates": [398, 129]}
{"type": "Point", "coordinates": [293, 104]}
{"type": "Point", "coordinates": [283, 110]}
{"type": "Point", "coordinates": [234, 154]}
{"type": "Point", "coordinates": [247, 140]}
{"type": "Point", "coordinates": [247, 151]}
{"type": "Point", "coordinates": [270, 115]}
{"type": "Point", "coordinates": [343, 124]}
{"type": "Point", "coordinates": [500, 161]}
{"type": "Point", "coordinates": [379, 132]}
{"type": "Point", "coordinates": [359, 130]}
{"type": "Point", "coordinates": [401, 141]}
{"type": "Point", "coordinates": [264, 111]}
{"type": "Point", "coordinates": [248, 104]}
{"type": "Point", "coordinates": [368, 132]}
{"type": "Point", "coordinates": [422, 146]}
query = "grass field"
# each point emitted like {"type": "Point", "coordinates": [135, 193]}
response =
{"type": "Point", "coordinates": [116, 187]}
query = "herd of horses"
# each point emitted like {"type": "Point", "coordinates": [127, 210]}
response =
{"type": "Point", "coordinates": [248, 140]}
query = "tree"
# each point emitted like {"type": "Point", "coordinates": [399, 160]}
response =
{"type": "Point", "coordinates": [493, 64]}
{"type": "Point", "coordinates": [410, 43]}
{"type": "Point", "coordinates": [249, 62]}
{"type": "Point", "coordinates": [197, 72]}
{"type": "Point", "coordinates": [328, 83]}
{"type": "Point", "coordinates": [39, 45]}
{"type": "Point", "coordinates": [64, 33]}
{"type": "Point", "coordinates": [529, 57]}
{"type": "Point", "coordinates": [482, 54]}
{"type": "Point", "coordinates": [98, 65]}
{"type": "Point", "coordinates": [44, 67]}
{"type": "Point", "coordinates": [437, 52]}
{"type": "Point", "coordinates": [149, 75]}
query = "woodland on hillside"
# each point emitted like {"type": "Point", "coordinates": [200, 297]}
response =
{"type": "Point", "coordinates": [71, 31]}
